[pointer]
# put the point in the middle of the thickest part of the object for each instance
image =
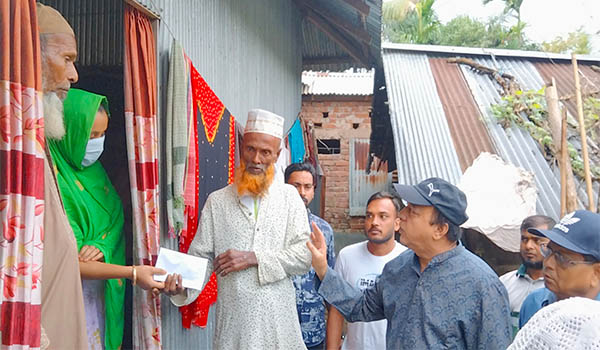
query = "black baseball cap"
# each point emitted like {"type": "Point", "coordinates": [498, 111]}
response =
{"type": "Point", "coordinates": [448, 199]}
{"type": "Point", "coordinates": [578, 231]}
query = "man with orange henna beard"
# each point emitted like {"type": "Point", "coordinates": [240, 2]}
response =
{"type": "Point", "coordinates": [254, 233]}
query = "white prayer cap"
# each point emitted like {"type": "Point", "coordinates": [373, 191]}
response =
{"type": "Point", "coordinates": [264, 122]}
{"type": "Point", "coordinates": [572, 323]}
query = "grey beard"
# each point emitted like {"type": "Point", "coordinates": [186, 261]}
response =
{"type": "Point", "coordinates": [54, 126]}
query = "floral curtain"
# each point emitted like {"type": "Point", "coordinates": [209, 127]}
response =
{"type": "Point", "coordinates": [21, 175]}
{"type": "Point", "coordinates": [142, 150]}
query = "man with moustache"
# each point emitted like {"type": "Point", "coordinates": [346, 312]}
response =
{"type": "Point", "coordinates": [571, 262]}
{"type": "Point", "coordinates": [63, 317]}
{"type": "Point", "coordinates": [529, 276]}
{"type": "Point", "coordinates": [310, 305]}
{"type": "Point", "coordinates": [435, 295]}
{"type": "Point", "coordinates": [360, 264]}
{"type": "Point", "coordinates": [254, 233]}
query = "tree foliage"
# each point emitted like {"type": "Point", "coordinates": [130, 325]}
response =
{"type": "Point", "coordinates": [408, 22]}
{"type": "Point", "coordinates": [577, 42]}
{"type": "Point", "coordinates": [417, 23]}
{"type": "Point", "coordinates": [511, 7]}
{"type": "Point", "coordinates": [466, 31]}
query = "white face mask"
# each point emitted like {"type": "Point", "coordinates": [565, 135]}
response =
{"type": "Point", "coordinates": [93, 151]}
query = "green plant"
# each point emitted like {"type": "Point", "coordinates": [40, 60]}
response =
{"type": "Point", "coordinates": [577, 42]}
{"type": "Point", "coordinates": [528, 110]}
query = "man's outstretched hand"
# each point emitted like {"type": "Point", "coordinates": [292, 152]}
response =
{"type": "Point", "coordinates": [318, 249]}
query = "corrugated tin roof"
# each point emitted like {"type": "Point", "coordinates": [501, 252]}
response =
{"type": "Point", "coordinates": [424, 146]}
{"type": "Point", "coordinates": [477, 51]}
{"type": "Point", "coordinates": [468, 132]}
{"type": "Point", "coordinates": [337, 83]}
{"type": "Point", "coordinates": [408, 83]}
{"type": "Point", "coordinates": [562, 72]}
{"type": "Point", "coordinates": [514, 144]}
{"type": "Point", "coordinates": [318, 45]}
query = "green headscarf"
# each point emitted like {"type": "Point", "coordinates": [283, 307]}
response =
{"type": "Point", "coordinates": [91, 203]}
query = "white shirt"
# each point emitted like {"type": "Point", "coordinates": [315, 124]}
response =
{"type": "Point", "coordinates": [256, 307]}
{"type": "Point", "coordinates": [361, 268]}
{"type": "Point", "coordinates": [519, 284]}
{"type": "Point", "coordinates": [251, 203]}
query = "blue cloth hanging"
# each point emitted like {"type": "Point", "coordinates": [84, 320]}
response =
{"type": "Point", "coordinates": [296, 142]}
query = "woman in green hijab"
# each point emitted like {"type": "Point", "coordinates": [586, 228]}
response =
{"type": "Point", "coordinates": [95, 213]}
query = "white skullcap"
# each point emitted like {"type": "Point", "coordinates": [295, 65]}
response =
{"type": "Point", "coordinates": [572, 323]}
{"type": "Point", "coordinates": [264, 122]}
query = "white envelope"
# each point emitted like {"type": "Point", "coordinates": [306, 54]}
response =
{"type": "Point", "coordinates": [191, 268]}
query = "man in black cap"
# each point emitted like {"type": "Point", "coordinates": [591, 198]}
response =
{"type": "Point", "coordinates": [571, 262]}
{"type": "Point", "coordinates": [435, 295]}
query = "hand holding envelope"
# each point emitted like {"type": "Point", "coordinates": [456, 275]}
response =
{"type": "Point", "coordinates": [183, 270]}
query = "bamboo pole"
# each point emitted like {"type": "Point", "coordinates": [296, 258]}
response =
{"type": "Point", "coordinates": [563, 164]}
{"type": "Point", "coordinates": [584, 150]}
{"type": "Point", "coordinates": [569, 201]}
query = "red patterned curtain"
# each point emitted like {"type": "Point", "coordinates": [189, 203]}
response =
{"type": "Point", "coordinates": [21, 175]}
{"type": "Point", "coordinates": [142, 149]}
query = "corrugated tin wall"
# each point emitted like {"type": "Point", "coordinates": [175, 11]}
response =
{"type": "Point", "coordinates": [424, 146]}
{"type": "Point", "coordinates": [363, 185]}
{"type": "Point", "coordinates": [249, 52]}
{"type": "Point", "coordinates": [98, 26]}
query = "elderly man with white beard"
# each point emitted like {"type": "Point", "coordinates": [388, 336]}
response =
{"type": "Point", "coordinates": [63, 318]}
{"type": "Point", "coordinates": [254, 233]}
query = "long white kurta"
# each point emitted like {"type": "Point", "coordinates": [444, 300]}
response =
{"type": "Point", "coordinates": [256, 307]}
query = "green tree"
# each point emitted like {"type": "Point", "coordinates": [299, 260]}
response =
{"type": "Point", "coordinates": [577, 42]}
{"type": "Point", "coordinates": [396, 10]}
{"type": "Point", "coordinates": [409, 22]}
{"type": "Point", "coordinates": [513, 8]}
{"type": "Point", "coordinates": [464, 31]}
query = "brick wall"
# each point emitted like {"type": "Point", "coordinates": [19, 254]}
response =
{"type": "Point", "coordinates": [344, 114]}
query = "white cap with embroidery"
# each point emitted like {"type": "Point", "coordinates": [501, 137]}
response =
{"type": "Point", "coordinates": [264, 122]}
{"type": "Point", "coordinates": [572, 323]}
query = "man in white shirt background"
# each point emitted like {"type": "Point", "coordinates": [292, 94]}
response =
{"type": "Point", "coordinates": [360, 264]}
{"type": "Point", "coordinates": [529, 277]}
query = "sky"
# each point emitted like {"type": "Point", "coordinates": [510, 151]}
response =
{"type": "Point", "coordinates": [546, 19]}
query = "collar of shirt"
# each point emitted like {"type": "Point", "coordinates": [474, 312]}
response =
{"type": "Point", "coordinates": [251, 203]}
{"type": "Point", "coordinates": [550, 297]}
{"type": "Point", "coordinates": [522, 273]}
{"type": "Point", "coordinates": [438, 259]}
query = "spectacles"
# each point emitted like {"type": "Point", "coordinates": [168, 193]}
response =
{"type": "Point", "coordinates": [560, 258]}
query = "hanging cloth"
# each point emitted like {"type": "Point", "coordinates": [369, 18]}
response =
{"type": "Point", "coordinates": [215, 144]}
{"type": "Point", "coordinates": [296, 142]}
{"type": "Point", "coordinates": [177, 136]}
{"type": "Point", "coordinates": [141, 124]}
{"type": "Point", "coordinates": [22, 162]}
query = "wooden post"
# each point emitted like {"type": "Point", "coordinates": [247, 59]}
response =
{"type": "Point", "coordinates": [584, 150]}
{"type": "Point", "coordinates": [564, 160]}
{"type": "Point", "coordinates": [569, 201]}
